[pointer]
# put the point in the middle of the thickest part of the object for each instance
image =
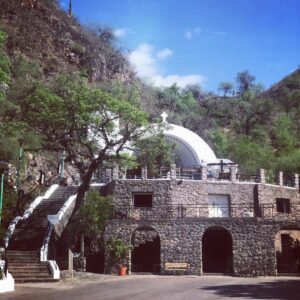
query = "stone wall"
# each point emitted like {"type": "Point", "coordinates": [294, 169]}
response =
{"type": "Point", "coordinates": [245, 198]}
{"type": "Point", "coordinates": [252, 240]}
{"type": "Point", "coordinates": [180, 191]}
{"type": "Point", "coordinates": [253, 237]}
{"type": "Point", "coordinates": [267, 193]}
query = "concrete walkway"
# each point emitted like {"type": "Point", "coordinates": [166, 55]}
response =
{"type": "Point", "coordinates": [148, 287]}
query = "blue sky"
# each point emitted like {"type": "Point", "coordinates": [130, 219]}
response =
{"type": "Point", "coordinates": [202, 41]}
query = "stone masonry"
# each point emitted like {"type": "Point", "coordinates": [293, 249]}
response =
{"type": "Point", "coordinates": [253, 236]}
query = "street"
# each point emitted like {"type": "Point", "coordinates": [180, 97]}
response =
{"type": "Point", "coordinates": [137, 287]}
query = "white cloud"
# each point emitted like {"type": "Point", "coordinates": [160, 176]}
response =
{"type": "Point", "coordinates": [143, 61]}
{"type": "Point", "coordinates": [120, 32]}
{"type": "Point", "coordinates": [146, 63]}
{"type": "Point", "coordinates": [190, 33]}
{"type": "Point", "coordinates": [181, 81]}
{"type": "Point", "coordinates": [164, 53]}
{"type": "Point", "coordinates": [197, 30]}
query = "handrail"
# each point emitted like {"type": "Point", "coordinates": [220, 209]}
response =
{"type": "Point", "coordinates": [51, 225]}
{"type": "Point", "coordinates": [50, 231]}
{"type": "Point", "coordinates": [178, 211]}
{"type": "Point", "coordinates": [269, 210]}
{"type": "Point", "coordinates": [27, 213]}
{"type": "Point", "coordinates": [175, 211]}
{"type": "Point", "coordinates": [41, 186]}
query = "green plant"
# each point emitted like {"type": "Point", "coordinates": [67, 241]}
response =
{"type": "Point", "coordinates": [118, 250]}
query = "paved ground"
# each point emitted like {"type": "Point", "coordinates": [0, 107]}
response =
{"type": "Point", "coordinates": [148, 287]}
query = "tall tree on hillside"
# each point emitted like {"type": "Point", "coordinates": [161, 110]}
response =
{"type": "Point", "coordinates": [245, 81]}
{"type": "Point", "coordinates": [83, 121]}
{"type": "Point", "coordinates": [227, 88]}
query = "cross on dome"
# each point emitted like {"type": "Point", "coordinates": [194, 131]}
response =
{"type": "Point", "coordinates": [164, 116]}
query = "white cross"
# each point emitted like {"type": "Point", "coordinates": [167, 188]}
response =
{"type": "Point", "coordinates": [164, 117]}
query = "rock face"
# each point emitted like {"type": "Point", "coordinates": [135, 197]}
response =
{"type": "Point", "coordinates": [42, 33]}
{"type": "Point", "coordinates": [251, 225]}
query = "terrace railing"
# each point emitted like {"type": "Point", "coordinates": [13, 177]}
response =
{"type": "Point", "coordinates": [180, 211]}
{"type": "Point", "coordinates": [271, 210]}
{"type": "Point", "coordinates": [187, 211]}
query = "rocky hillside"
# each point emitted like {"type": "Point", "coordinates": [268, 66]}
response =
{"type": "Point", "coordinates": [42, 32]}
{"type": "Point", "coordinates": [286, 92]}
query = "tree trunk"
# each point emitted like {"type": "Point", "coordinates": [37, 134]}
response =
{"type": "Point", "coordinates": [86, 181]}
{"type": "Point", "coordinates": [82, 245]}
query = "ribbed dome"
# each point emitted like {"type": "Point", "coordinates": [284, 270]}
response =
{"type": "Point", "coordinates": [191, 149]}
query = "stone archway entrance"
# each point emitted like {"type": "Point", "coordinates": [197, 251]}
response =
{"type": "Point", "coordinates": [217, 251]}
{"type": "Point", "coordinates": [287, 246]}
{"type": "Point", "coordinates": [145, 256]}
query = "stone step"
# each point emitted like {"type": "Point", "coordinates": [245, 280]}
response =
{"type": "Point", "coordinates": [26, 274]}
{"type": "Point", "coordinates": [26, 269]}
{"type": "Point", "coordinates": [28, 279]}
{"type": "Point", "coordinates": [16, 252]}
{"type": "Point", "coordinates": [23, 255]}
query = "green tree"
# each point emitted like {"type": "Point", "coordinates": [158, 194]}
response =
{"type": "Point", "coordinates": [90, 220]}
{"type": "Point", "coordinates": [5, 67]}
{"type": "Point", "coordinates": [288, 162]}
{"type": "Point", "coordinates": [68, 114]}
{"type": "Point", "coordinates": [227, 88]}
{"type": "Point", "coordinates": [285, 139]}
{"type": "Point", "coordinates": [250, 155]}
{"type": "Point", "coordinates": [220, 142]}
{"type": "Point", "coordinates": [153, 152]}
{"type": "Point", "coordinates": [245, 81]}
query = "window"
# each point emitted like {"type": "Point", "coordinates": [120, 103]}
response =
{"type": "Point", "coordinates": [283, 205]}
{"type": "Point", "coordinates": [218, 206]}
{"type": "Point", "coordinates": [142, 199]}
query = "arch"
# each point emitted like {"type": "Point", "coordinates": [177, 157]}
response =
{"type": "Point", "coordinates": [287, 247]}
{"type": "Point", "coordinates": [145, 256]}
{"type": "Point", "coordinates": [217, 256]}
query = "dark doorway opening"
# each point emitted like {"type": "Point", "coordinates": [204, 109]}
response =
{"type": "Point", "coordinates": [145, 255]}
{"type": "Point", "coordinates": [95, 262]}
{"type": "Point", "coordinates": [217, 251]}
{"type": "Point", "coordinates": [287, 245]}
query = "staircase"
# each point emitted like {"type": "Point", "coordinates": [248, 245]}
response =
{"type": "Point", "coordinates": [25, 266]}
{"type": "Point", "coordinates": [23, 252]}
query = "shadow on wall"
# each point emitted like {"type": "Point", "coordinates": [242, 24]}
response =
{"type": "Point", "coordinates": [277, 290]}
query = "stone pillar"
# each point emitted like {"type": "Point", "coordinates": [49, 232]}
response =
{"type": "Point", "coordinates": [233, 172]}
{"type": "Point", "coordinates": [108, 176]}
{"type": "Point", "coordinates": [144, 172]}
{"type": "Point", "coordinates": [123, 173]}
{"type": "Point", "coordinates": [261, 176]}
{"type": "Point", "coordinates": [173, 171]}
{"type": "Point", "coordinates": [279, 178]}
{"type": "Point", "coordinates": [296, 181]}
{"type": "Point", "coordinates": [115, 172]}
{"type": "Point", "coordinates": [82, 245]}
{"type": "Point", "coordinates": [129, 262]}
{"type": "Point", "coordinates": [203, 171]}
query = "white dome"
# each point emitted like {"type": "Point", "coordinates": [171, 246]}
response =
{"type": "Point", "coordinates": [190, 148]}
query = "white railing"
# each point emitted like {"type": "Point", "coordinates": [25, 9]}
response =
{"type": "Point", "coordinates": [56, 222]}
{"type": "Point", "coordinates": [28, 212]}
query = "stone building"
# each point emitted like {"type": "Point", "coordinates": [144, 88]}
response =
{"type": "Point", "coordinates": [204, 217]}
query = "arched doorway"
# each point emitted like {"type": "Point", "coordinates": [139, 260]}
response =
{"type": "Point", "coordinates": [217, 251]}
{"type": "Point", "coordinates": [145, 256]}
{"type": "Point", "coordinates": [287, 246]}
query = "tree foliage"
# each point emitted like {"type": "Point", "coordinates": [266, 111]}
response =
{"type": "Point", "coordinates": [154, 153]}
{"type": "Point", "coordinates": [69, 114]}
